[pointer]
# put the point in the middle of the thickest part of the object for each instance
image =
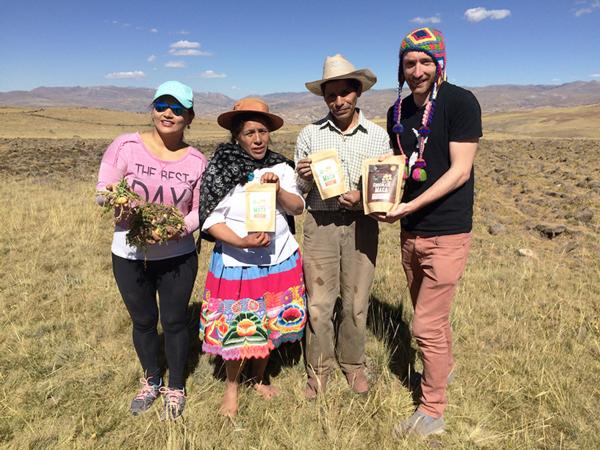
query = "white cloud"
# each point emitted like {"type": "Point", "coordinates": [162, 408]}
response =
{"type": "Point", "coordinates": [183, 32]}
{"type": "Point", "coordinates": [175, 64]}
{"type": "Point", "coordinates": [235, 88]}
{"type": "Point", "coordinates": [424, 20]}
{"type": "Point", "coordinates": [136, 27]}
{"type": "Point", "coordinates": [121, 24]}
{"type": "Point", "coordinates": [185, 44]}
{"type": "Point", "coordinates": [125, 75]}
{"type": "Point", "coordinates": [480, 13]}
{"type": "Point", "coordinates": [188, 52]}
{"type": "Point", "coordinates": [187, 48]}
{"type": "Point", "coordinates": [151, 58]}
{"type": "Point", "coordinates": [588, 8]}
{"type": "Point", "coordinates": [212, 74]}
{"type": "Point", "coordinates": [595, 75]}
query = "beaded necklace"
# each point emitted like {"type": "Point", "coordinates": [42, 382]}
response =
{"type": "Point", "coordinates": [418, 169]}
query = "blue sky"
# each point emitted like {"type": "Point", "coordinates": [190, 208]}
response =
{"type": "Point", "coordinates": [258, 47]}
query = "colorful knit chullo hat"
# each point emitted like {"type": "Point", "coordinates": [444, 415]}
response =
{"type": "Point", "coordinates": [427, 40]}
{"type": "Point", "coordinates": [431, 42]}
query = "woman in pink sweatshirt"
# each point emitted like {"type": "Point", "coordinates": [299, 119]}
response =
{"type": "Point", "coordinates": [160, 167]}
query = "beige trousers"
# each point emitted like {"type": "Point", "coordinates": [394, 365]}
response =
{"type": "Point", "coordinates": [340, 249]}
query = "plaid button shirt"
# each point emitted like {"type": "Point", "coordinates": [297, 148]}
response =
{"type": "Point", "coordinates": [366, 140]}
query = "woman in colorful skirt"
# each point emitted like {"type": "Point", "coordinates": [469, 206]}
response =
{"type": "Point", "coordinates": [254, 298]}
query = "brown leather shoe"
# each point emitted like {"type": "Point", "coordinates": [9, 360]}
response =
{"type": "Point", "coordinates": [315, 386]}
{"type": "Point", "coordinates": [358, 381]}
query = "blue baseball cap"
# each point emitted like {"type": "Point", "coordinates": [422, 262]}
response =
{"type": "Point", "coordinates": [181, 92]}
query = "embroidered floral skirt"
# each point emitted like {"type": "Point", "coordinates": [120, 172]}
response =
{"type": "Point", "coordinates": [248, 311]}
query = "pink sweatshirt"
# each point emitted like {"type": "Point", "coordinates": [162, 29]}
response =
{"type": "Point", "coordinates": [168, 182]}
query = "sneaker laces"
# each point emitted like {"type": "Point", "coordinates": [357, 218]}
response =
{"type": "Point", "coordinates": [147, 389]}
{"type": "Point", "coordinates": [173, 396]}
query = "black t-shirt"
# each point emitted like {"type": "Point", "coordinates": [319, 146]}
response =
{"type": "Point", "coordinates": [457, 118]}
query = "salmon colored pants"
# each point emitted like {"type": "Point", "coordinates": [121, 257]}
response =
{"type": "Point", "coordinates": [433, 267]}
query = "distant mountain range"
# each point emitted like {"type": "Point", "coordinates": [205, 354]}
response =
{"type": "Point", "coordinates": [302, 107]}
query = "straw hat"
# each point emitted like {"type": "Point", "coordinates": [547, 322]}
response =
{"type": "Point", "coordinates": [339, 68]}
{"type": "Point", "coordinates": [249, 105]}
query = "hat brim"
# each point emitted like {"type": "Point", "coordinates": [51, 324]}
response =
{"type": "Point", "coordinates": [182, 101]}
{"type": "Point", "coordinates": [366, 78]}
{"type": "Point", "coordinates": [225, 120]}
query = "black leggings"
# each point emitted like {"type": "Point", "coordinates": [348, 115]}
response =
{"type": "Point", "coordinates": [173, 279]}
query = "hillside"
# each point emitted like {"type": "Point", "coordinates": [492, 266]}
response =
{"type": "Point", "coordinates": [544, 122]}
{"type": "Point", "coordinates": [107, 97]}
{"type": "Point", "coordinates": [106, 124]}
{"type": "Point", "coordinates": [302, 107]}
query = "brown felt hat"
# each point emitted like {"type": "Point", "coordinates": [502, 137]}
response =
{"type": "Point", "coordinates": [246, 106]}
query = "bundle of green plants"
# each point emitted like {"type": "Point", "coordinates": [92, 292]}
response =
{"type": "Point", "coordinates": [149, 223]}
{"type": "Point", "coordinates": [154, 223]}
{"type": "Point", "coordinates": [120, 199]}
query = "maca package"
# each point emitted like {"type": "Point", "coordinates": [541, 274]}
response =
{"type": "Point", "coordinates": [328, 173]}
{"type": "Point", "coordinates": [382, 183]}
{"type": "Point", "coordinates": [261, 201]}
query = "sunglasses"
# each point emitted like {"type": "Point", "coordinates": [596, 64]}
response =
{"type": "Point", "coordinates": [175, 108]}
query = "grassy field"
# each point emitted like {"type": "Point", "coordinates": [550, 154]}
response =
{"type": "Point", "coordinates": [580, 121]}
{"type": "Point", "coordinates": [77, 123]}
{"type": "Point", "coordinates": [86, 123]}
{"type": "Point", "coordinates": [527, 328]}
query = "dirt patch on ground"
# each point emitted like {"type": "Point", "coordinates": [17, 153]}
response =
{"type": "Point", "coordinates": [75, 158]}
{"type": "Point", "coordinates": [539, 184]}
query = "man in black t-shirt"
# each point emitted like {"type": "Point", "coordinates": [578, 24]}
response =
{"type": "Point", "coordinates": [437, 128]}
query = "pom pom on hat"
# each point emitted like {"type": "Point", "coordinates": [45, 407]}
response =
{"type": "Point", "coordinates": [419, 174]}
{"type": "Point", "coordinates": [420, 163]}
{"type": "Point", "coordinates": [398, 128]}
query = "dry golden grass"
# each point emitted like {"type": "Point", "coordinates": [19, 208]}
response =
{"type": "Point", "coordinates": [527, 336]}
{"type": "Point", "coordinates": [88, 123]}
{"type": "Point", "coordinates": [579, 121]}
{"type": "Point", "coordinates": [574, 122]}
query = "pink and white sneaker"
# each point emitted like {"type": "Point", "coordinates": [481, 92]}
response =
{"type": "Point", "coordinates": [174, 403]}
{"type": "Point", "coordinates": [144, 399]}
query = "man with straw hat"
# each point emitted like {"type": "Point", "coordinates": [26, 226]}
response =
{"type": "Point", "coordinates": [438, 128]}
{"type": "Point", "coordinates": [340, 242]}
